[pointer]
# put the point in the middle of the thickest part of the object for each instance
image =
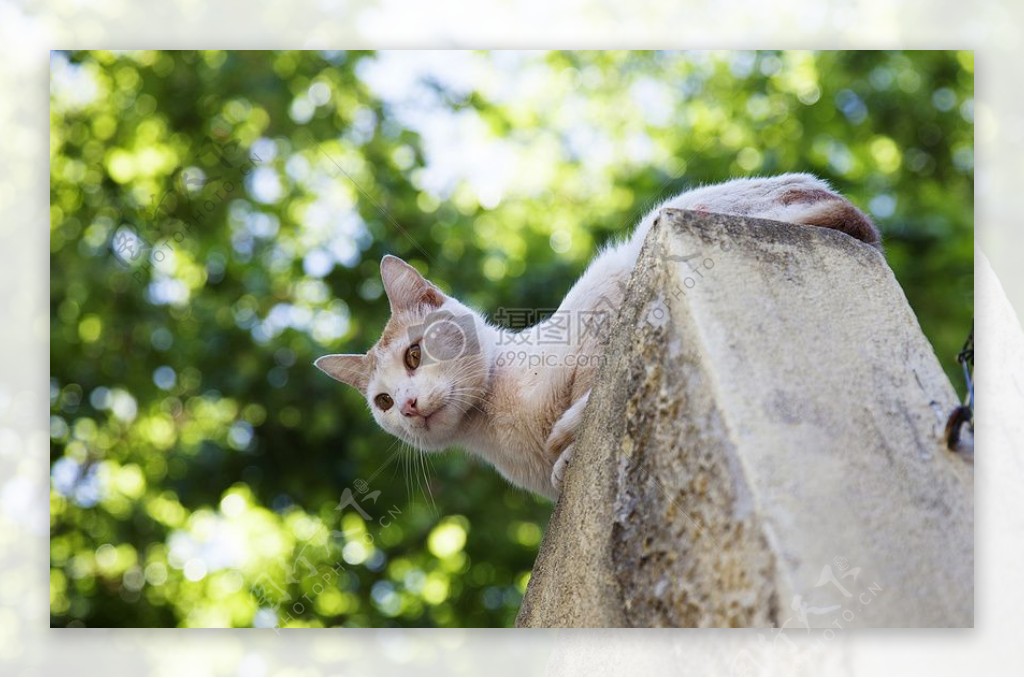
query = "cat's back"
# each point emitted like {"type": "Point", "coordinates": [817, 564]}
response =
{"type": "Point", "coordinates": [797, 198]}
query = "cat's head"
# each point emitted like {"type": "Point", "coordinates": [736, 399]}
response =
{"type": "Point", "coordinates": [429, 368]}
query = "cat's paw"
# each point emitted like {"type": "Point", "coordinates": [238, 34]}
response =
{"type": "Point", "coordinates": [561, 466]}
{"type": "Point", "coordinates": [562, 440]}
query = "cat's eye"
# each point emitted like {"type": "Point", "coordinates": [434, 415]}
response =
{"type": "Point", "coordinates": [384, 401]}
{"type": "Point", "coordinates": [412, 357]}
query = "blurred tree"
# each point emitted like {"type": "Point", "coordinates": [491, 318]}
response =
{"type": "Point", "coordinates": [216, 224]}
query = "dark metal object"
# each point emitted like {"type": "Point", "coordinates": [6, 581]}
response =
{"type": "Point", "coordinates": [964, 414]}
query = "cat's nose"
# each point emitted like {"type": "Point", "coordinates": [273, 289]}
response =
{"type": "Point", "coordinates": [409, 408]}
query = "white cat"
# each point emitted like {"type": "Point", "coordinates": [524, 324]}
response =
{"type": "Point", "coordinates": [442, 376]}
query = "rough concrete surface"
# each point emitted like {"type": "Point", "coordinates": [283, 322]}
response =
{"type": "Point", "coordinates": [763, 448]}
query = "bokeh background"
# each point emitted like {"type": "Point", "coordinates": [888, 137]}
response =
{"type": "Point", "coordinates": [217, 220]}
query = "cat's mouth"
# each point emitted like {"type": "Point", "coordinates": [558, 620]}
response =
{"type": "Point", "coordinates": [424, 420]}
{"type": "Point", "coordinates": [444, 414]}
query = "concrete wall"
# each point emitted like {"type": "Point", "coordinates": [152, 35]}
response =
{"type": "Point", "coordinates": [764, 447]}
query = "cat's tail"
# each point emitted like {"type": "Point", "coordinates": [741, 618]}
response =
{"type": "Point", "coordinates": [824, 208]}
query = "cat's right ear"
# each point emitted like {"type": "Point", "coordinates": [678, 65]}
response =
{"type": "Point", "coordinates": [348, 368]}
{"type": "Point", "coordinates": [405, 287]}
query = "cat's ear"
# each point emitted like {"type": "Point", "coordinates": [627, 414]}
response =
{"type": "Point", "coordinates": [405, 287]}
{"type": "Point", "coordinates": [352, 369]}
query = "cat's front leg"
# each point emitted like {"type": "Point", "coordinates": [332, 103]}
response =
{"type": "Point", "coordinates": [562, 441]}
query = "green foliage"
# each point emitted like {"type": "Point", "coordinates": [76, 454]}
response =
{"type": "Point", "coordinates": [217, 220]}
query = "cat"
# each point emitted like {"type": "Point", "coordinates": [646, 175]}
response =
{"type": "Point", "coordinates": [442, 376]}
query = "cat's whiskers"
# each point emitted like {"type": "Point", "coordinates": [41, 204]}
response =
{"type": "Point", "coordinates": [414, 465]}
{"type": "Point", "coordinates": [464, 380]}
{"type": "Point", "coordinates": [387, 462]}
{"type": "Point", "coordinates": [467, 402]}
{"type": "Point", "coordinates": [405, 467]}
{"type": "Point", "coordinates": [427, 493]}
{"type": "Point", "coordinates": [411, 478]}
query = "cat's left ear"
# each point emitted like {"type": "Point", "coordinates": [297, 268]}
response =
{"type": "Point", "coordinates": [352, 369]}
{"type": "Point", "coordinates": [405, 287]}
